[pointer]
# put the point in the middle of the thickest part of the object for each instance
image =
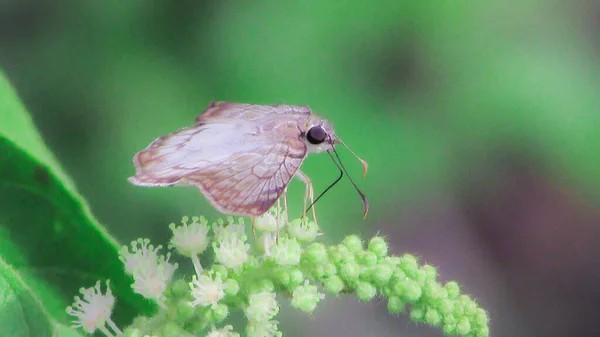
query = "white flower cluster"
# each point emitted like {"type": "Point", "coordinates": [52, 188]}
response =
{"type": "Point", "coordinates": [262, 307]}
{"type": "Point", "coordinates": [93, 311]}
{"type": "Point", "coordinates": [151, 271]}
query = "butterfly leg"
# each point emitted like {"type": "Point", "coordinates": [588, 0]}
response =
{"type": "Point", "coordinates": [309, 193]}
{"type": "Point", "coordinates": [253, 229]}
{"type": "Point", "coordinates": [285, 206]}
{"type": "Point", "coordinates": [278, 220]}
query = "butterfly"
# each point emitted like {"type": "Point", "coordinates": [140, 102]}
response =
{"type": "Point", "coordinates": [241, 156]}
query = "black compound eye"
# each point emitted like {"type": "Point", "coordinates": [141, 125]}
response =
{"type": "Point", "coordinates": [316, 135]}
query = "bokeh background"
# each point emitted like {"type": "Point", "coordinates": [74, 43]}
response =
{"type": "Point", "coordinates": [479, 120]}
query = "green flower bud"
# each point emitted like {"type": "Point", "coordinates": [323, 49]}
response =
{"type": "Point", "coordinates": [408, 264]}
{"type": "Point", "coordinates": [296, 277]}
{"type": "Point", "coordinates": [396, 305]}
{"type": "Point", "coordinates": [353, 243]}
{"type": "Point", "coordinates": [398, 275]}
{"type": "Point", "coordinates": [417, 314]}
{"type": "Point", "coordinates": [316, 253]}
{"type": "Point", "coordinates": [337, 253]}
{"type": "Point", "coordinates": [378, 246]}
{"type": "Point", "coordinates": [306, 297]}
{"type": "Point", "coordinates": [432, 317]}
{"type": "Point", "coordinates": [350, 271]}
{"type": "Point", "coordinates": [421, 277]}
{"type": "Point", "coordinates": [409, 290]}
{"type": "Point", "coordinates": [330, 269]}
{"type": "Point", "coordinates": [282, 276]}
{"type": "Point", "coordinates": [463, 327]}
{"type": "Point", "coordinates": [318, 272]}
{"type": "Point", "coordinates": [231, 287]}
{"type": "Point", "coordinates": [430, 272]}
{"type": "Point", "coordinates": [366, 258]}
{"type": "Point", "coordinates": [365, 291]}
{"type": "Point", "coordinates": [449, 329]}
{"type": "Point", "coordinates": [481, 318]}
{"type": "Point", "coordinates": [220, 269]}
{"type": "Point", "coordinates": [334, 285]}
{"type": "Point", "coordinates": [303, 231]}
{"type": "Point", "coordinates": [445, 307]}
{"type": "Point", "coordinates": [434, 291]}
{"type": "Point", "coordinates": [184, 310]}
{"type": "Point", "coordinates": [381, 274]}
{"type": "Point", "coordinates": [483, 331]}
{"type": "Point", "coordinates": [180, 288]}
{"type": "Point", "coordinates": [453, 289]}
{"type": "Point", "coordinates": [171, 329]}
{"type": "Point", "coordinates": [220, 312]}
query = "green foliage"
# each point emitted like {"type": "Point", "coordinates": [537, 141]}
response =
{"type": "Point", "coordinates": [50, 244]}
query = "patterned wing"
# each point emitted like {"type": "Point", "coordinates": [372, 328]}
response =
{"type": "Point", "coordinates": [250, 183]}
{"type": "Point", "coordinates": [248, 112]}
{"type": "Point", "coordinates": [240, 169]}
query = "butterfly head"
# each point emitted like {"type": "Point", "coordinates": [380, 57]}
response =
{"type": "Point", "coordinates": [319, 136]}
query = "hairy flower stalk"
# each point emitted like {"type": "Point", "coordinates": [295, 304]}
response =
{"type": "Point", "coordinates": [247, 275]}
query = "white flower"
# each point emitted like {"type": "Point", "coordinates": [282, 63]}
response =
{"type": "Point", "coordinates": [261, 307]}
{"type": "Point", "coordinates": [207, 290]}
{"type": "Point", "coordinates": [138, 255]}
{"type": "Point", "coordinates": [190, 239]}
{"type": "Point", "coordinates": [266, 242]}
{"type": "Point", "coordinates": [229, 229]}
{"type": "Point", "coordinates": [305, 297]}
{"type": "Point", "coordinates": [268, 221]}
{"type": "Point", "coordinates": [263, 329]}
{"type": "Point", "coordinates": [93, 311]}
{"type": "Point", "coordinates": [151, 272]}
{"type": "Point", "coordinates": [287, 252]}
{"type": "Point", "coordinates": [227, 331]}
{"type": "Point", "coordinates": [230, 245]}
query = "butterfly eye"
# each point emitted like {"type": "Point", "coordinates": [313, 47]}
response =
{"type": "Point", "coordinates": [316, 135]}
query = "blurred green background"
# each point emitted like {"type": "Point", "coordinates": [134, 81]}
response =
{"type": "Point", "coordinates": [479, 121]}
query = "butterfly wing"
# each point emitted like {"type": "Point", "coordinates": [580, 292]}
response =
{"type": "Point", "coordinates": [241, 168]}
{"type": "Point", "coordinates": [250, 112]}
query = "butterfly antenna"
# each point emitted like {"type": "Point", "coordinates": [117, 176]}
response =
{"type": "Point", "coordinates": [362, 196]}
{"type": "Point", "coordinates": [363, 162]}
{"type": "Point", "coordinates": [330, 186]}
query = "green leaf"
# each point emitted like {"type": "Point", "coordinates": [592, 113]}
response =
{"type": "Point", "coordinates": [21, 313]}
{"type": "Point", "coordinates": [47, 232]}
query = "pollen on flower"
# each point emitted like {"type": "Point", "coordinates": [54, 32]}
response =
{"type": "Point", "coordinates": [261, 307]}
{"type": "Point", "coordinates": [207, 290]}
{"type": "Point", "coordinates": [190, 239]}
{"type": "Point", "coordinates": [93, 311]}
{"type": "Point", "coordinates": [151, 272]}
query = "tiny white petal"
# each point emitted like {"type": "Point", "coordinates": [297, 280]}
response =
{"type": "Point", "coordinates": [207, 290]}
{"type": "Point", "coordinates": [231, 252]}
{"type": "Point", "coordinates": [190, 239]}
{"type": "Point", "coordinates": [94, 310]}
